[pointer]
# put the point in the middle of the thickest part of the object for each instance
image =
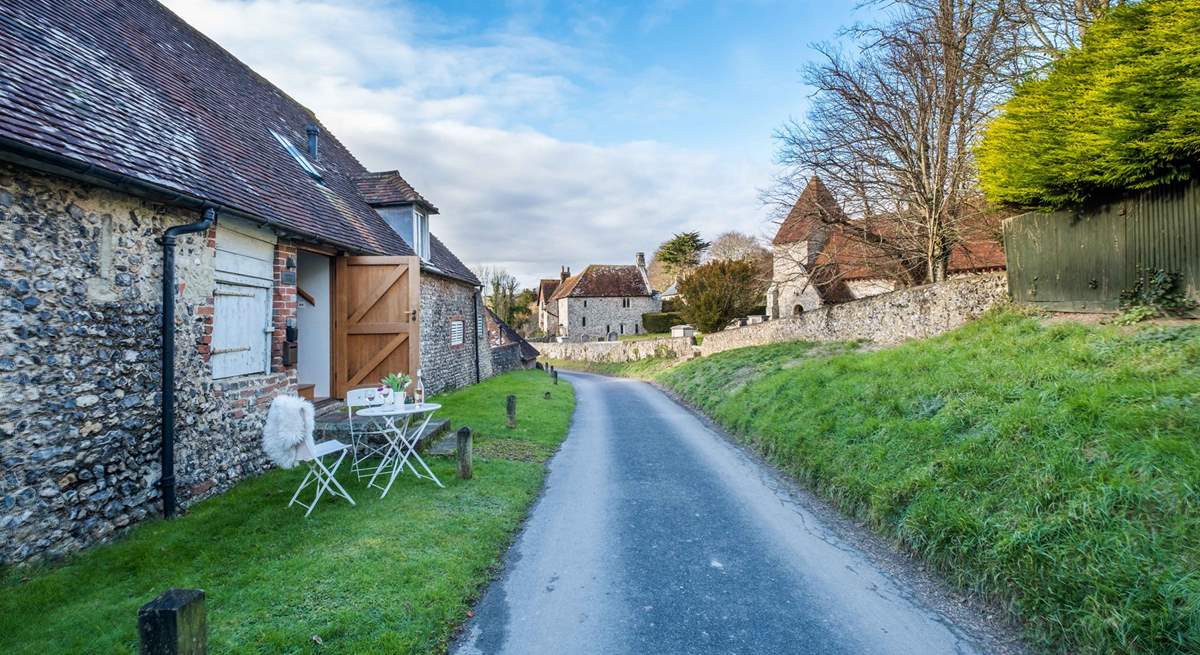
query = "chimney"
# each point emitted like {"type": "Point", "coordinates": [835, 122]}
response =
{"type": "Point", "coordinates": [641, 260]}
{"type": "Point", "coordinates": [312, 131]}
{"type": "Point", "coordinates": [564, 274]}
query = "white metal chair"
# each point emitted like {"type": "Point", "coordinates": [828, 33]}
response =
{"type": "Point", "coordinates": [314, 454]}
{"type": "Point", "coordinates": [361, 436]}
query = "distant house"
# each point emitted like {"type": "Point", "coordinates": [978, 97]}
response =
{"type": "Point", "coordinates": [510, 351]}
{"type": "Point", "coordinates": [604, 302]}
{"type": "Point", "coordinates": [547, 318]}
{"type": "Point", "coordinates": [816, 263]}
{"type": "Point", "coordinates": [296, 269]}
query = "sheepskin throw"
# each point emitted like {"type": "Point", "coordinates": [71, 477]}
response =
{"type": "Point", "coordinates": [290, 421]}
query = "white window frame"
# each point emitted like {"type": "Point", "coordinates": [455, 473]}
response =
{"type": "Point", "coordinates": [459, 325]}
{"type": "Point", "coordinates": [420, 233]}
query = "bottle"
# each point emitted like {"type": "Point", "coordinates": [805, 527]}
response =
{"type": "Point", "coordinates": [419, 391]}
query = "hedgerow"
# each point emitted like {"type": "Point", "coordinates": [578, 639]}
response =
{"type": "Point", "coordinates": [1120, 113]}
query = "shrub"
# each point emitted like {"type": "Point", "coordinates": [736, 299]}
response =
{"type": "Point", "coordinates": [1120, 113]}
{"type": "Point", "coordinates": [720, 291]}
{"type": "Point", "coordinates": [1155, 293]}
{"type": "Point", "coordinates": [660, 321]}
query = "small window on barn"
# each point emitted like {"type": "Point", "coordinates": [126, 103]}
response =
{"type": "Point", "coordinates": [241, 323]}
{"type": "Point", "coordinates": [308, 166]}
{"type": "Point", "coordinates": [457, 336]}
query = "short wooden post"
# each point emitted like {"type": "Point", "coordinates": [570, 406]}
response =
{"type": "Point", "coordinates": [174, 624]}
{"type": "Point", "coordinates": [554, 375]}
{"type": "Point", "coordinates": [511, 409]}
{"type": "Point", "coordinates": [465, 466]}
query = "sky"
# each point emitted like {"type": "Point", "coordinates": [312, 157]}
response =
{"type": "Point", "coordinates": [548, 133]}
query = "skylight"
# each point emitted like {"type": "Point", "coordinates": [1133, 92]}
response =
{"type": "Point", "coordinates": [308, 166]}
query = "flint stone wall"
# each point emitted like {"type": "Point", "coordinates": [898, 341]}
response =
{"type": "Point", "coordinates": [445, 366]}
{"type": "Point", "coordinates": [80, 306]}
{"type": "Point", "coordinates": [618, 351]}
{"type": "Point", "coordinates": [890, 318]}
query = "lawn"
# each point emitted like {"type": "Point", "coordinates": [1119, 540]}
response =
{"type": "Point", "coordinates": [1052, 467]}
{"type": "Point", "coordinates": [645, 336]}
{"type": "Point", "coordinates": [642, 369]}
{"type": "Point", "coordinates": [394, 575]}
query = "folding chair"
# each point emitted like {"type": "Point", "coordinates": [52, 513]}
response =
{"type": "Point", "coordinates": [323, 476]}
{"type": "Point", "coordinates": [360, 436]}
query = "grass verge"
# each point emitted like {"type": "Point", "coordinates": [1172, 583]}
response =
{"type": "Point", "coordinates": [393, 575]}
{"type": "Point", "coordinates": [1053, 468]}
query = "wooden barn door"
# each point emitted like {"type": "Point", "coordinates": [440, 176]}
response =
{"type": "Point", "coordinates": [377, 329]}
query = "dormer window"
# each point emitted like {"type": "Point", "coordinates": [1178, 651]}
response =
{"type": "Point", "coordinates": [412, 224]}
{"type": "Point", "coordinates": [420, 242]}
{"type": "Point", "coordinates": [306, 165]}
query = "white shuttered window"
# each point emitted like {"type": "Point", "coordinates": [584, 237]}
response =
{"type": "Point", "coordinates": [456, 332]}
{"type": "Point", "coordinates": [241, 336]}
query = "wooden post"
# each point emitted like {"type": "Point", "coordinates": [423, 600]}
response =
{"type": "Point", "coordinates": [174, 624]}
{"type": "Point", "coordinates": [511, 408]}
{"type": "Point", "coordinates": [554, 374]}
{"type": "Point", "coordinates": [465, 466]}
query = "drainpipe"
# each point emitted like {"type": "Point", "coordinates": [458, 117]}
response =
{"type": "Point", "coordinates": [475, 329]}
{"type": "Point", "coordinates": [167, 482]}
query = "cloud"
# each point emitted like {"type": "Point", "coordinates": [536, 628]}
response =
{"type": "Point", "coordinates": [456, 114]}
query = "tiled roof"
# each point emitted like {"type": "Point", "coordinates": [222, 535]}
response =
{"type": "Point", "coordinates": [604, 281]}
{"type": "Point", "coordinates": [444, 261]}
{"type": "Point", "coordinates": [815, 207]}
{"type": "Point", "coordinates": [976, 256]}
{"type": "Point", "coordinates": [546, 289]}
{"type": "Point", "coordinates": [500, 334]}
{"type": "Point", "coordinates": [127, 87]}
{"type": "Point", "coordinates": [389, 188]}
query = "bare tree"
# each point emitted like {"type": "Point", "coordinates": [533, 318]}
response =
{"type": "Point", "coordinates": [1051, 27]}
{"type": "Point", "coordinates": [500, 291]}
{"type": "Point", "coordinates": [737, 246]}
{"type": "Point", "coordinates": [891, 130]}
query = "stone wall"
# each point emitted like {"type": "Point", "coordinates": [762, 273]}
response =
{"type": "Point", "coordinates": [618, 351]}
{"type": "Point", "coordinates": [889, 318]}
{"type": "Point", "coordinates": [507, 358]}
{"type": "Point", "coordinates": [445, 366]}
{"type": "Point", "coordinates": [80, 298]}
{"type": "Point", "coordinates": [593, 319]}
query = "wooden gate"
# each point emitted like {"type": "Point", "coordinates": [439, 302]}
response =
{"type": "Point", "coordinates": [376, 323]}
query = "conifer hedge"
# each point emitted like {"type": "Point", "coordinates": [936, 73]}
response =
{"type": "Point", "coordinates": [1120, 113]}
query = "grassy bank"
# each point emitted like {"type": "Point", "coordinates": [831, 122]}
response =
{"type": "Point", "coordinates": [392, 575]}
{"type": "Point", "coordinates": [1055, 468]}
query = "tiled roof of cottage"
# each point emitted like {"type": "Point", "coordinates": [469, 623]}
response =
{"type": "Point", "coordinates": [389, 188]}
{"type": "Point", "coordinates": [546, 289]}
{"type": "Point", "coordinates": [500, 334]}
{"type": "Point", "coordinates": [127, 87]}
{"type": "Point", "coordinates": [604, 281]}
{"type": "Point", "coordinates": [815, 207]}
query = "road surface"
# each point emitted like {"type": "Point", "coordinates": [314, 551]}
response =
{"type": "Point", "coordinates": [657, 535]}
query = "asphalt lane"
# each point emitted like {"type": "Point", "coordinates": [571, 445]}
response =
{"type": "Point", "coordinates": [657, 535]}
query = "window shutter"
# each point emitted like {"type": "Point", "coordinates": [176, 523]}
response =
{"type": "Point", "coordinates": [456, 333]}
{"type": "Point", "coordinates": [242, 326]}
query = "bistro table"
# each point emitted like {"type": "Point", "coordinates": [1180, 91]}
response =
{"type": "Point", "coordinates": [399, 421]}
